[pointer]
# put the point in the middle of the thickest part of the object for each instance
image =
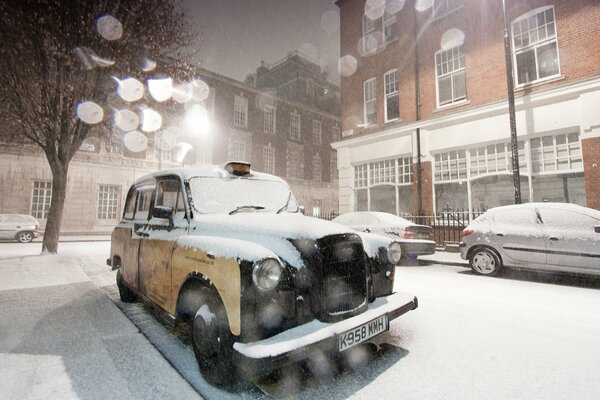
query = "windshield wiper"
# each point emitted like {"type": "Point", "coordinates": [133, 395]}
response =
{"type": "Point", "coordinates": [240, 208]}
{"type": "Point", "coordinates": [286, 204]}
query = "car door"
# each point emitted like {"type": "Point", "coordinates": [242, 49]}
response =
{"type": "Point", "coordinates": [168, 220]}
{"type": "Point", "coordinates": [9, 226]}
{"type": "Point", "coordinates": [518, 232]}
{"type": "Point", "coordinates": [571, 239]}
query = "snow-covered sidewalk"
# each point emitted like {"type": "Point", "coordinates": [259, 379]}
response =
{"type": "Point", "coordinates": [62, 337]}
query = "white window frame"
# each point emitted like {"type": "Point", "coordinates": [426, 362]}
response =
{"type": "Point", "coordinates": [269, 159]}
{"type": "Point", "coordinates": [41, 199]}
{"type": "Point", "coordinates": [447, 60]}
{"type": "Point", "coordinates": [295, 126]}
{"type": "Point", "coordinates": [294, 164]}
{"type": "Point", "coordinates": [240, 111]}
{"type": "Point", "coordinates": [269, 115]}
{"type": "Point", "coordinates": [107, 205]}
{"type": "Point", "coordinates": [237, 151]}
{"type": "Point", "coordinates": [441, 8]}
{"type": "Point", "coordinates": [317, 132]}
{"type": "Point", "coordinates": [390, 90]}
{"type": "Point", "coordinates": [534, 45]}
{"type": "Point", "coordinates": [317, 168]}
{"type": "Point", "coordinates": [389, 19]}
{"type": "Point", "coordinates": [368, 28]}
{"type": "Point", "coordinates": [370, 96]}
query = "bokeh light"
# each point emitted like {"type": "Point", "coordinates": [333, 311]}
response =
{"type": "Point", "coordinates": [330, 21]}
{"type": "Point", "coordinates": [148, 65]}
{"type": "Point", "coordinates": [151, 120]}
{"type": "Point", "coordinates": [90, 112]}
{"type": "Point", "coordinates": [109, 27]}
{"type": "Point", "coordinates": [423, 5]}
{"type": "Point", "coordinates": [374, 8]}
{"type": "Point", "coordinates": [126, 120]}
{"type": "Point", "coordinates": [91, 60]}
{"type": "Point", "coordinates": [452, 38]}
{"type": "Point", "coordinates": [347, 65]}
{"type": "Point", "coordinates": [310, 50]}
{"type": "Point", "coordinates": [181, 151]}
{"type": "Point", "coordinates": [200, 90]}
{"type": "Point", "coordinates": [135, 141]}
{"type": "Point", "coordinates": [368, 44]}
{"type": "Point", "coordinates": [394, 6]}
{"type": "Point", "coordinates": [265, 99]}
{"type": "Point", "coordinates": [161, 89]}
{"type": "Point", "coordinates": [183, 92]}
{"type": "Point", "coordinates": [130, 89]}
{"type": "Point", "coordinates": [197, 120]}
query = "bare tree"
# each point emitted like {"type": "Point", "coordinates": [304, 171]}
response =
{"type": "Point", "coordinates": [57, 54]}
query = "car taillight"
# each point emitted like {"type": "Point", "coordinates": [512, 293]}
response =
{"type": "Point", "coordinates": [37, 227]}
{"type": "Point", "coordinates": [467, 232]}
{"type": "Point", "coordinates": [408, 234]}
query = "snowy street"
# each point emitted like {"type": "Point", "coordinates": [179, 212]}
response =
{"type": "Point", "coordinates": [65, 334]}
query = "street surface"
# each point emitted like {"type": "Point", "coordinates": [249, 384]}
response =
{"type": "Point", "coordinates": [522, 336]}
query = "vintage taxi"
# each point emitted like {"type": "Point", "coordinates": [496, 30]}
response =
{"type": "Point", "coordinates": [226, 251]}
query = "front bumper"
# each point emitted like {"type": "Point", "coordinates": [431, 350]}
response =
{"type": "Point", "coordinates": [299, 343]}
{"type": "Point", "coordinates": [462, 248]}
{"type": "Point", "coordinates": [418, 248]}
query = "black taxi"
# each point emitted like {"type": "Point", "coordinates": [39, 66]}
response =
{"type": "Point", "coordinates": [226, 251]}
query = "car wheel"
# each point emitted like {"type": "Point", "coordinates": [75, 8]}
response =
{"type": "Point", "coordinates": [127, 295]}
{"type": "Point", "coordinates": [212, 341]}
{"type": "Point", "coordinates": [485, 261]}
{"type": "Point", "coordinates": [25, 237]}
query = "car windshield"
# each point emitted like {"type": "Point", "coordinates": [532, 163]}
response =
{"type": "Point", "coordinates": [218, 195]}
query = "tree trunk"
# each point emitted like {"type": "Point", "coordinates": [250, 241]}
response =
{"type": "Point", "coordinates": [59, 193]}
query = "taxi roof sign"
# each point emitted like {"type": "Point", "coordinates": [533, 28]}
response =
{"type": "Point", "coordinates": [238, 168]}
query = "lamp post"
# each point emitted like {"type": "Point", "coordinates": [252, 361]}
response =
{"type": "Point", "coordinates": [511, 110]}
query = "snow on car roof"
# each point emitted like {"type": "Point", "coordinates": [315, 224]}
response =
{"type": "Point", "coordinates": [369, 217]}
{"type": "Point", "coordinates": [564, 206]}
{"type": "Point", "coordinates": [207, 171]}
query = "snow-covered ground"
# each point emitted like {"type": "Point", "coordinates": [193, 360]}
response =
{"type": "Point", "coordinates": [523, 336]}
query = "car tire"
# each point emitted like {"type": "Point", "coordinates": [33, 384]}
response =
{"type": "Point", "coordinates": [127, 295]}
{"type": "Point", "coordinates": [485, 261]}
{"type": "Point", "coordinates": [212, 341]}
{"type": "Point", "coordinates": [25, 237]}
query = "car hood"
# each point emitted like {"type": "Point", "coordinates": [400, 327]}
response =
{"type": "Point", "coordinates": [272, 231]}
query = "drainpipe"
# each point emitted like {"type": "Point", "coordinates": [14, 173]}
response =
{"type": "Point", "coordinates": [418, 118]}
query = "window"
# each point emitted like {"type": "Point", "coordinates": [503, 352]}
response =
{"type": "Point", "coordinates": [370, 96]}
{"type": "Point", "coordinates": [335, 134]}
{"type": "Point", "coordinates": [450, 74]}
{"type": "Point", "coordinates": [269, 159]}
{"type": "Point", "coordinates": [144, 200]}
{"type": "Point", "coordinates": [294, 126]}
{"type": "Point", "coordinates": [392, 110]}
{"type": "Point", "coordinates": [113, 146]}
{"type": "Point", "coordinates": [294, 168]}
{"type": "Point", "coordinates": [41, 198]}
{"type": "Point", "coordinates": [390, 30]}
{"type": "Point", "coordinates": [368, 29]}
{"type": "Point", "coordinates": [556, 153]}
{"type": "Point", "coordinates": [269, 119]}
{"type": "Point", "coordinates": [444, 7]}
{"type": "Point", "coordinates": [451, 166]}
{"type": "Point", "coordinates": [535, 47]}
{"type": "Point", "coordinates": [317, 132]}
{"type": "Point", "coordinates": [108, 201]}
{"type": "Point", "coordinates": [209, 102]}
{"type": "Point", "coordinates": [240, 111]}
{"type": "Point", "coordinates": [129, 210]}
{"type": "Point", "coordinates": [169, 194]}
{"type": "Point", "coordinates": [160, 147]}
{"type": "Point", "coordinates": [316, 164]}
{"type": "Point", "coordinates": [237, 151]}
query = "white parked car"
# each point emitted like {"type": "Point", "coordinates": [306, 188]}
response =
{"type": "Point", "coordinates": [21, 227]}
{"type": "Point", "coordinates": [542, 236]}
{"type": "Point", "coordinates": [416, 240]}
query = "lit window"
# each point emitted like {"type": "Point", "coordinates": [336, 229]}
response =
{"type": "Point", "coordinates": [240, 111]}
{"type": "Point", "coordinates": [535, 47]}
{"type": "Point", "coordinates": [317, 132]}
{"type": "Point", "coordinates": [392, 110]}
{"type": "Point", "coordinates": [269, 119]}
{"type": "Point", "coordinates": [294, 126]}
{"type": "Point", "coordinates": [450, 74]}
{"type": "Point", "coordinates": [108, 201]}
{"type": "Point", "coordinates": [370, 97]}
{"type": "Point", "coordinates": [269, 159]}
{"type": "Point", "coordinates": [41, 198]}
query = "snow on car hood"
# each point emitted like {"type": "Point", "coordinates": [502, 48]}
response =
{"type": "Point", "coordinates": [272, 231]}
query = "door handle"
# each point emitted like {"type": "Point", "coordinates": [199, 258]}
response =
{"type": "Point", "coordinates": [554, 239]}
{"type": "Point", "coordinates": [142, 234]}
{"type": "Point", "coordinates": [500, 234]}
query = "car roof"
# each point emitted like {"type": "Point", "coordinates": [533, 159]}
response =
{"type": "Point", "coordinates": [542, 205]}
{"type": "Point", "coordinates": [206, 171]}
{"type": "Point", "coordinates": [383, 217]}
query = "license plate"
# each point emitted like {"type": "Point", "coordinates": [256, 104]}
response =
{"type": "Point", "coordinates": [363, 332]}
{"type": "Point", "coordinates": [423, 236]}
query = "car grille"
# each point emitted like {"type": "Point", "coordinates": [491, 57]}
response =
{"type": "Point", "coordinates": [343, 276]}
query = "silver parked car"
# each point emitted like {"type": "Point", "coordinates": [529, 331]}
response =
{"type": "Point", "coordinates": [542, 236]}
{"type": "Point", "coordinates": [416, 240]}
{"type": "Point", "coordinates": [23, 228]}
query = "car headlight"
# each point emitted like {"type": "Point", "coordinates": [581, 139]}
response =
{"type": "Point", "coordinates": [394, 253]}
{"type": "Point", "coordinates": [267, 273]}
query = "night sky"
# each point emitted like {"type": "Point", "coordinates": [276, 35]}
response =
{"type": "Point", "coordinates": [236, 35]}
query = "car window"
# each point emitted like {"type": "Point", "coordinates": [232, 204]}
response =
{"type": "Point", "coordinates": [12, 219]}
{"type": "Point", "coordinates": [168, 194]}
{"type": "Point", "coordinates": [144, 201]}
{"type": "Point", "coordinates": [516, 216]}
{"type": "Point", "coordinates": [129, 211]}
{"type": "Point", "coordinates": [567, 219]}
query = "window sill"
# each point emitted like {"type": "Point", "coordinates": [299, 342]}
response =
{"type": "Point", "coordinates": [391, 121]}
{"type": "Point", "coordinates": [445, 107]}
{"type": "Point", "coordinates": [539, 82]}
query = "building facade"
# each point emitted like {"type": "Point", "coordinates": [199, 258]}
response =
{"type": "Point", "coordinates": [425, 122]}
{"type": "Point", "coordinates": [210, 120]}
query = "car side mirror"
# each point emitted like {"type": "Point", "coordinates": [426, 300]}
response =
{"type": "Point", "coordinates": [163, 212]}
{"type": "Point", "coordinates": [597, 228]}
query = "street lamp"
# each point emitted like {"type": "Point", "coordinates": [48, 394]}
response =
{"type": "Point", "coordinates": [511, 110]}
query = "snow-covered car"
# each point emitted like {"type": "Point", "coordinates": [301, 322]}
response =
{"type": "Point", "coordinates": [554, 237]}
{"type": "Point", "coordinates": [416, 240]}
{"type": "Point", "coordinates": [224, 250]}
{"type": "Point", "coordinates": [21, 227]}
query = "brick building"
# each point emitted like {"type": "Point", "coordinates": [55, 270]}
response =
{"type": "Point", "coordinates": [429, 78]}
{"type": "Point", "coordinates": [287, 138]}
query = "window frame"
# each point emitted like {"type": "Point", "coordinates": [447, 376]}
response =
{"type": "Point", "coordinates": [372, 90]}
{"type": "Point", "coordinates": [317, 132]}
{"type": "Point", "coordinates": [387, 95]}
{"type": "Point", "coordinates": [268, 155]}
{"type": "Point", "coordinates": [450, 74]}
{"type": "Point", "coordinates": [389, 19]}
{"type": "Point", "coordinates": [43, 193]}
{"type": "Point", "coordinates": [240, 111]}
{"type": "Point", "coordinates": [447, 10]}
{"type": "Point", "coordinates": [295, 135]}
{"type": "Point", "coordinates": [107, 202]}
{"type": "Point", "coordinates": [368, 28]}
{"type": "Point", "coordinates": [269, 119]}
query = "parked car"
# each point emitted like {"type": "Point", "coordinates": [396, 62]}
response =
{"type": "Point", "coordinates": [23, 228]}
{"type": "Point", "coordinates": [225, 251]}
{"type": "Point", "coordinates": [415, 240]}
{"type": "Point", "coordinates": [542, 236]}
